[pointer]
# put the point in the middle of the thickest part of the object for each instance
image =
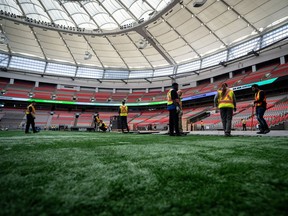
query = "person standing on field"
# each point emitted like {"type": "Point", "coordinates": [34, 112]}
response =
{"type": "Point", "coordinates": [174, 108]}
{"type": "Point", "coordinates": [202, 126]}
{"type": "Point", "coordinates": [123, 113]}
{"type": "Point", "coordinates": [30, 117]}
{"type": "Point", "coordinates": [243, 124]}
{"type": "Point", "coordinates": [261, 106]}
{"type": "Point", "coordinates": [225, 100]}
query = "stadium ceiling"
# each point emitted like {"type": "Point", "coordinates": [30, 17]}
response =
{"type": "Point", "coordinates": [132, 34]}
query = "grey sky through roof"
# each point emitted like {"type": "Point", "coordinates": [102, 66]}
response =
{"type": "Point", "coordinates": [89, 14]}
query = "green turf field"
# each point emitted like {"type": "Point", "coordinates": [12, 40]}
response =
{"type": "Point", "coordinates": [82, 173]}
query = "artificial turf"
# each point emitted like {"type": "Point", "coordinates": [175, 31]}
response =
{"type": "Point", "coordinates": [87, 173]}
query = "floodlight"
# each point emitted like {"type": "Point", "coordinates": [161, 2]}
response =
{"type": "Point", "coordinates": [199, 3]}
{"type": "Point", "coordinates": [142, 43]}
{"type": "Point", "coordinates": [87, 55]}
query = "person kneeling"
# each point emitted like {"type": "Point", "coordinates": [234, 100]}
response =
{"type": "Point", "coordinates": [102, 126]}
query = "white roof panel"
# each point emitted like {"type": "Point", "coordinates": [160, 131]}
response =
{"type": "Point", "coordinates": [181, 34]}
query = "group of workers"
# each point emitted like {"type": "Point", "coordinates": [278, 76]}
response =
{"type": "Point", "coordinates": [224, 100]}
{"type": "Point", "coordinates": [123, 113]}
{"type": "Point", "coordinates": [99, 124]}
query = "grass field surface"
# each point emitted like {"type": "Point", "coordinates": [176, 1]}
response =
{"type": "Point", "coordinates": [87, 173]}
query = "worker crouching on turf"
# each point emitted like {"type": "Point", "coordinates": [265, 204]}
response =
{"type": "Point", "coordinates": [225, 100]}
{"type": "Point", "coordinates": [102, 126]}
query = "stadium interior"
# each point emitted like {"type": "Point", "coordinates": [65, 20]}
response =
{"type": "Point", "coordinates": [79, 58]}
{"type": "Point", "coordinates": [75, 66]}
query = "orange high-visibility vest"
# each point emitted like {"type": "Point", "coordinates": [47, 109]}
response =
{"type": "Point", "coordinates": [257, 97]}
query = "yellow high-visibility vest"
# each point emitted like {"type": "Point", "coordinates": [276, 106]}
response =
{"type": "Point", "coordinates": [169, 98]}
{"type": "Point", "coordinates": [33, 112]}
{"type": "Point", "coordinates": [226, 101]}
{"type": "Point", "coordinates": [97, 119]}
{"type": "Point", "coordinates": [123, 110]}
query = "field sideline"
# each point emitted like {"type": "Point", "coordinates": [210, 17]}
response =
{"type": "Point", "coordinates": [86, 173]}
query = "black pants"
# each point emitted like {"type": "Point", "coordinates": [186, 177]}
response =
{"type": "Point", "coordinates": [30, 121]}
{"type": "Point", "coordinates": [173, 122]}
{"type": "Point", "coordinates": [103, 128]}
{"type": "Point", "coordinates": [124, 124]}
{"type": "Point", "coordinates": [260, 117]}
{"type": "Point", "coordinates": [226, 117]}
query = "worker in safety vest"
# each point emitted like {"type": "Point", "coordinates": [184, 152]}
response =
{"type": "Point", "coordinates": [225, 100]}
{"type": "Point", "coordinates": [202, 125]}
{"type": "Point", "coordinates": [243, 121]}
{"type": "Point", "coordinates": [103, 126]}
{"type": "Point", "coordinates": [174, 108]}
{"type": "Point", "coordinates": [96, 121]}
{"type": "Point", "coordinates": [123, 113]}
{"type": "Point", "coordinates": [30, 117]}
{"type": "Point", "coordinates": [261, 106]}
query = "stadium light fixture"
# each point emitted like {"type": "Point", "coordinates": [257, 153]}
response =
{"type": "Point", "coordinates": [30, 94]}
{"type": "Point", "coordinates": [3, 38]}
{"type": "Point", "coordinates": [253, 52]}
{"type": "Point", "coordinates": [3, 68]}
{"type": "Point", "coordinates": [142, 43]}
{"type": "Point", "coordinates": [199, 3]}
{"type": "Point", "coordinates": [223, 63]}
{"type": "Point", "coordinates": [123, 81]}
{"type": "Point", "coordinates": [87, 55]}
{"type": "Point", "coordinates": [147, 80]}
